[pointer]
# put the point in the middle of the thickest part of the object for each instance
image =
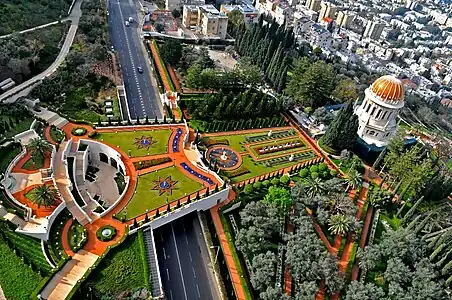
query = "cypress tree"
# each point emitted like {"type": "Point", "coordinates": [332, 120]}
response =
{"type": "Point", "coordinates": [147, 120]}
{"type": "Point", "coordinates": [198, 196]}
{"type": "Point", "coordinates": [188, 199]}
{"type": "Point", "coordinates": [155, 120]}
{"type": "Point", "coordinates": [168, 208]}
{"type": "Point", "coordinates": [11, 123]}
{"type": "Point", "coordinates": [135, 224]}
{"type": "Point", "coordinates": [341, 134]}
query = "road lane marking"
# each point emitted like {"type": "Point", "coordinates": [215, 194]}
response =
{"type": "Point", "coordinates": [186, 239]}
{"type": "Point", "coordinates": [167, 274]}
{"type": "Point", "coordinates": [171, 294]}
{"type": "Point", "coordinates": [164, 253]}
{"type": "Point", "coordinates": [178, 261]}
{"type": "Point", "coordinates": [191, 259]}
{"type": "Point", "coordinates": [197, 290]}
{"type": "Point", "coordinates": [194, 273]}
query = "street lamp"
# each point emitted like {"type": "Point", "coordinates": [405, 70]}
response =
{"type": "Point", "coordinates": [216, 255]}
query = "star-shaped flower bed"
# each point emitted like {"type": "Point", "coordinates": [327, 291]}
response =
{"type": "Point", "coordinates": [144, 142]}
{"type": "Point", "coordinates": [164, 185]}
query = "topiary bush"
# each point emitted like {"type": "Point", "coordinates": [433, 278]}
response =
{"type": "Point", "coordinates": [285, 180]}
{"type": "Point", "coordinates": [333, 173]}
{"type": "Point", "coordinates": [248, 189]}
{"type": "Point", "coordinates": [266, 183]}
{"type": "Point", "coordinates": [275, 181]}
{"type": "Point", "coordinates": [314, 169]}
{"type": "Point", "coordinates": [257, 185]}
{"type": "Point", "coordinates": [314, 174]}
{"type": "Point", "coordinates": [106, 233]}
{"type": "Point", "coordinates": [323, 167]}
{"type": "Point", "coordinates": [304, 173]}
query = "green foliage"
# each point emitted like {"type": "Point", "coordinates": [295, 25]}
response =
{"type": "Point", "coordinates": [314, 175]}
{"type": "Point", "coordinates": [171, 51]}
{"type": "Point", "coordinates": [144, 259]}
{"type": "Point", "coordinates": [311, 84]}
{"type": "Point", "coordinates": [248, 189]}
{"type": "Point", "coordinates": [38, 12]}
{"type": "Point", "coordinates": [266, 183]}
{"type": "Point", "coordinates": [275, 181]}
{"type": "Point", "coordinates": [346, 90]}
{"type": "Point", "coordinates": [106, 229]}
{"type": "Point", "coordinates": [257, 185]}
{"type": "Point", "coordinates": [121, 271]}
{"type": "Point", "coordinates": [304, 173]}
{"type": "Point", "coordinates": [279, 196]}
{"type": "Point", "coordinates": [341, 134]}
{"type": "Point", "coordinates": [314, 169]}
{"type": "Point", "coordinates": [17, 279]}
{"type": "Point", "coordinates": [285, 180]}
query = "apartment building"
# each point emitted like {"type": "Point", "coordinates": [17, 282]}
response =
{"type": "Point", "coordinates": [207, 19]}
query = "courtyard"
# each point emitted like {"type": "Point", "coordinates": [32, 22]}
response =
{"type": "Point", "coordinates": [138, 143]}
{"type": "Point", "coordinates": [159, 188]}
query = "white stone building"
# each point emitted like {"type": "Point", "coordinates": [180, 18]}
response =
{"type": "Point", "coordinates": [377, 115]}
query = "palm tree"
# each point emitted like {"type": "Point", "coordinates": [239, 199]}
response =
{"type": "Point", "coordinates": [353, 179]}
{"type": "Point", "coordinates": [38, 146]}
{"type": "Point", "coordinates": [339, 224]}
{"type": "Point", "coordinates": [44, 195]}
{"type": "Point", "coordinates": [315, 186]}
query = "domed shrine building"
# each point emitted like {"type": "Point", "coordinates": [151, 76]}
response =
{"type": "Point", "coordinates": [377, 115]}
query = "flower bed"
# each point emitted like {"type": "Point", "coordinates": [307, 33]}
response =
{"type": "Point", "coordinates": [106, 233]}
{"type": "Point", "coordinates": [161, 68]}
{"type": "Point", "coordinates": [78, 131]}
{"type": "Point", "coordinates": [140, 165]}
{"type": "Point", "coordinates": [234, 173]}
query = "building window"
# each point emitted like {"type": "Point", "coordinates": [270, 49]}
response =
{"type": "Point", "coordinates": [384, 115]}
{"type": "Point", "coordinates": [373, 110]}
{"type": "Point", "coordinates": [368, 107]}
{"type": "Point", "coordinates": [371, 132]}
{"type": "Point", "coordinates": [378, 114]}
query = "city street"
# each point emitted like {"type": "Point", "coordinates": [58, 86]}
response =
{"type": "Point", "coordinates": [141, 89]}
{"type": "Point", "coordinates": [182, 256]}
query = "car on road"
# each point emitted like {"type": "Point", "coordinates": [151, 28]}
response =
{"type": "Point", "coordinates": [127, 23]}
{"type": "Point", "coordinates": [140, 70]}
{"type": "Point", "coordinates": [130, 20]}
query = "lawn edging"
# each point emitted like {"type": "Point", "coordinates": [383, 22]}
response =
{"type": "Point", "coordinates": [147, 275]}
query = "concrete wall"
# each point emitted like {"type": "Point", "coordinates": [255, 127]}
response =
{"type": "Point", "coordinates": [203, 204]}
{"type": "Point", "coordinates": [94, 148]}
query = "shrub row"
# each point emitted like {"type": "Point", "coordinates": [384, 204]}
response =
{"type": "Point", "coordinates": [210, 142]}
{"type": "Point", "coordinates": [140, 165]}
{"type": "Point", "coordinates": [237, 172]}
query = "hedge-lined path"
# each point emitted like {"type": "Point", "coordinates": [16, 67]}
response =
{"type": "Point", "coordinates": [248, 131]}
{"type": "Point", "coordinates": [234, 274]}
{"type": "Point", "coordinates": [65, 236]}
{"type": "Point", "coordinates": [160, 67]}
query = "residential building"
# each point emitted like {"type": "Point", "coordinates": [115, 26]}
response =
{"type": "Point", "coordinates": [327, 10]}
{"type": "Point", "coordinates": [345, 19]}
{"type": "Point", "coordinates": [320, 37]}
{"type": "Point", "coordinates": [178, 4]}
{"type": "Point", "coordinates": [207, 19]}
{"type": "Point", "coordinates": [313, 5]}
{"type": "Point", "coordinates": [373, 30]}
{"type": "Point", "coordinates": [249, 12]}
{"type": "Point", "coordinates": [377, 115]}
{"type": "Point", "coordinates": [190, 16]}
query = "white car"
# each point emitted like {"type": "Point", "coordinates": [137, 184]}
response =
{"type": "Point", "coordinates": [127, 23]}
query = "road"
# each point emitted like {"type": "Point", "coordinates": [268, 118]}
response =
{"type": "Point", "coordinates": [141, 89]}
{"type": "Point", "coordinates": [24, 88]}
{"type": "Point", "coordinates": [182, 255]}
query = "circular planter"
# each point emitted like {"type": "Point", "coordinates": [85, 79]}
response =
{"type": "Point", "coordinates": [106, 233]}
{"type": "Point", "coordinates": [78, 131]}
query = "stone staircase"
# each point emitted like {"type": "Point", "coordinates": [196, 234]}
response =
{"type": "Point", "coordinates": [52, 118]}
{"type": "Point", "coordinates": [151, 256]}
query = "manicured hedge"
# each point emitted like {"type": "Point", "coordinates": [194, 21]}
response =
{"type": "Point", "coordinates": [139, 165]}
{"type": "Point", "coordinates": [237, 172]}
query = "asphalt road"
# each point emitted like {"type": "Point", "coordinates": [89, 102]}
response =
{"type": "Point", "coordinates": [141, 90]}
{"type": "Point", "coordinates": [181, 252]}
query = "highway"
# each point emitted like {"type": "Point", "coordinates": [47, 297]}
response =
{"type": "Point", "coordinates": [183, 258]}
{"type": "Point", "coordinates": [141, 90]}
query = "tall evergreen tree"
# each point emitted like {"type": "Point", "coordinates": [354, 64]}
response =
{"type": "Point", "coordinates": [341, 134]}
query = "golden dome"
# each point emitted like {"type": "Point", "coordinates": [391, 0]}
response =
{"type": "Point", "coordinates": [388, 88]}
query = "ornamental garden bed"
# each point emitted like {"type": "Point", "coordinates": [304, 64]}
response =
{"type": "Point", "coordinates": [237, 172]}
{"type": "Point", "coordinates": [138, 143]}
{"type": "Point", "coordinates": [77, 236]}
{"type": "Point", "coordinates": [106, 233]}
{"type": "Point", "coordinates": [34, 163]}
{"type": "Point", "coordinates": [144, 164]}
{"type": "Point", "coordinates": [79, 131]}
{"type": "Point", "coordinates": [56, 134]}
{"type": "Point", "coordinates": [158, 188]}
{"type": "Point", "coordinates": [208, 142]}
{"type": "Point", "coordinates": [278, 146]}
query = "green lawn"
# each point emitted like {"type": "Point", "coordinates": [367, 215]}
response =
{"type": "Point", "coordinates": [75, 235]}
{"type": "Point", "coordinates": [126, 141]}
{"type": "Point", "coordinates": [16, 278]}
{"type": "Point", "coordinates": [120, 271]}
{"type": "Point", "coordinates": [30, 248]}
{"type": "Point", "coordinates": [258, 168]}
{"type": "Point", "coordinates": [147, 198]}
{"type": "Point", "coordinates": [35, 162]}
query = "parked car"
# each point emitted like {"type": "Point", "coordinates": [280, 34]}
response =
{"type": "Point", "coordinates": [140, 70]}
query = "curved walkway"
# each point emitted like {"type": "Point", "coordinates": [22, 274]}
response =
{"type": "Point", "coordinates": [25, 87]}
{"type": "Point", "coordinates": [65, 241]}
